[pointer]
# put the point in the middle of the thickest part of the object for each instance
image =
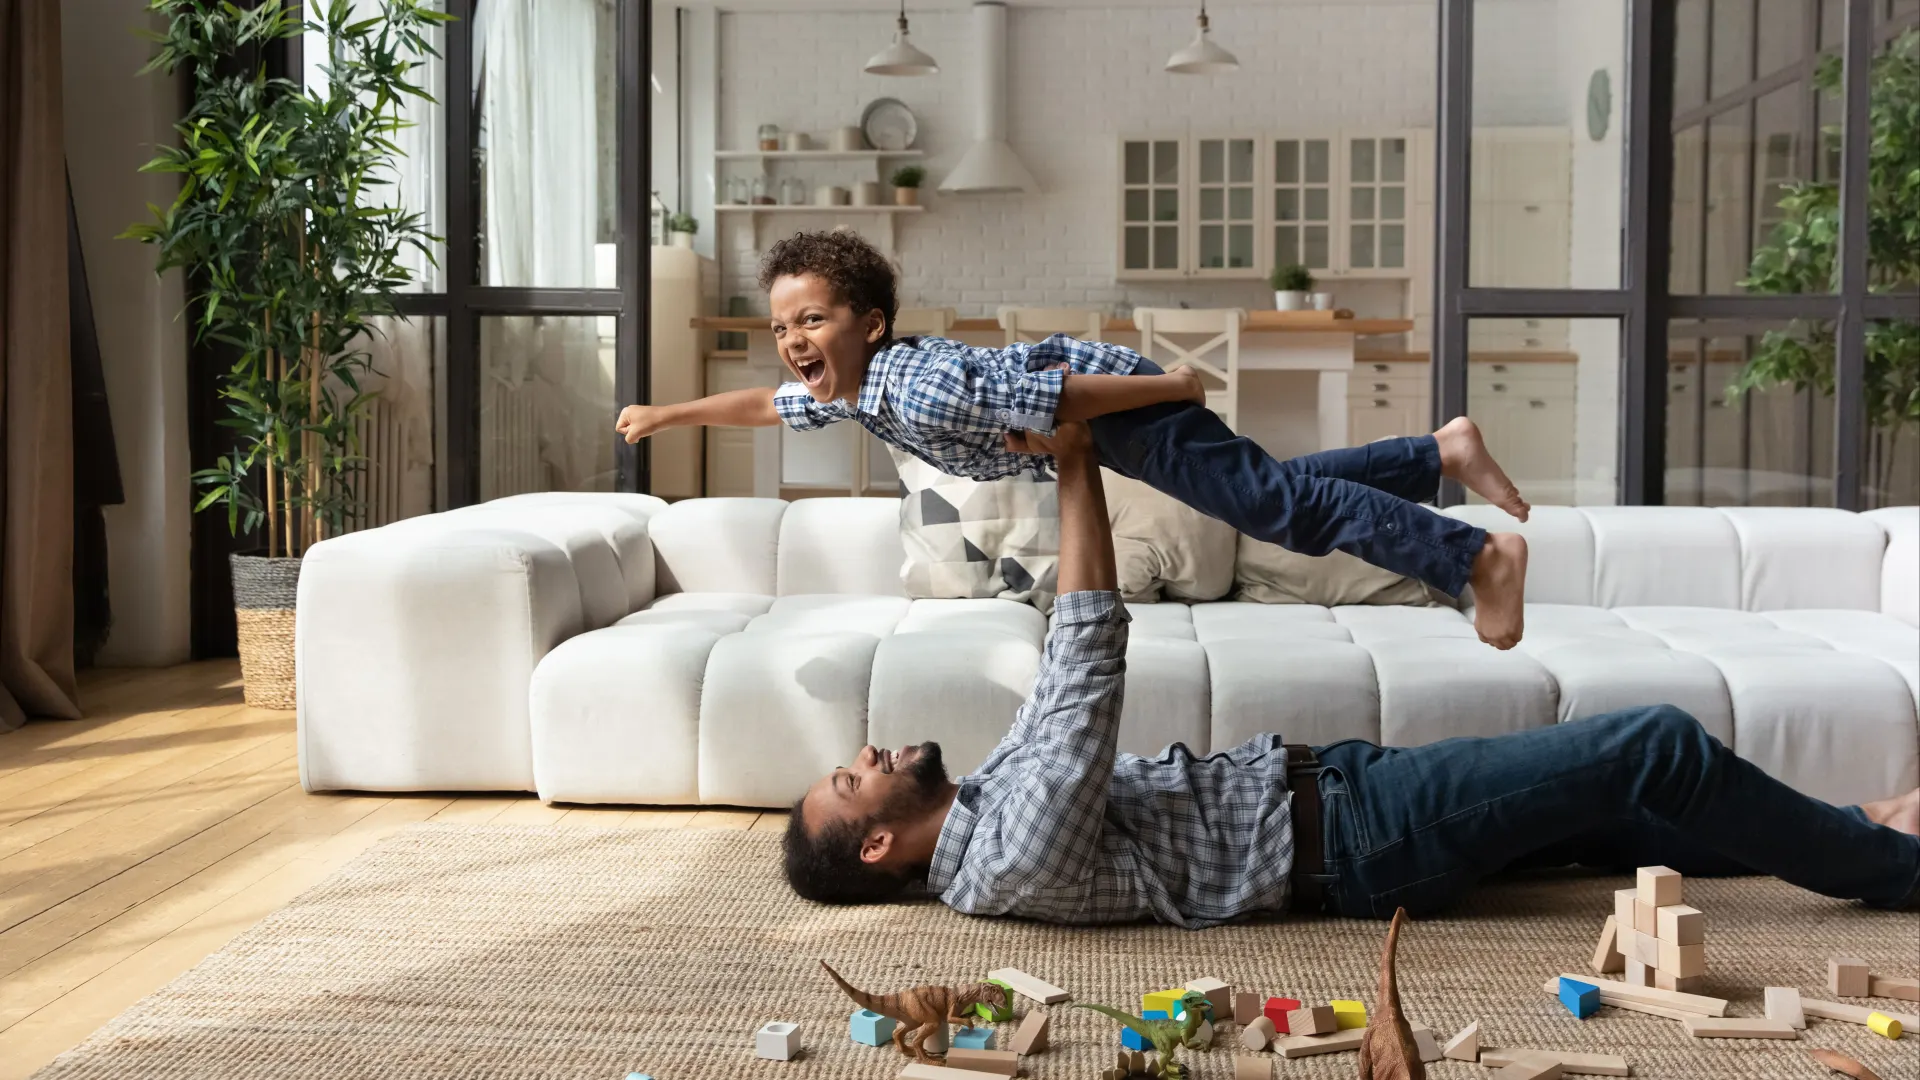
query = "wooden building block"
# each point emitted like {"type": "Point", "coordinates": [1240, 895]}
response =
{"type": "Point", "coordinates": [1348, 1014]}
{"type": "Point", "coordinates": [1645, 948]}
{"type": "Point", "coordinates": [1657, 886]}
{"type": "Point", "coordinates": [1852, 1014]}
{"type": "Point", "coordinates": [1612, 997]}
{"type": "Point", "coordinates": [1029, 987]}
{"type": "Point", "coordinates": [1531, 1065]}
{"type": "Point", "coordinates": [1902, 989]}
{"type": "Point", "coordinates": [1317, 1020]}
{"type": "Point", "coordinates": [1623, 908]}
{"type": "Point", "coordinates": [1680, 924]}
{"type": "Point", "coordinates": [1299, 1046]}
{"type": "Point", "coordinates": [922, 1071]}
{"type": "Point", "coordinates": [1848, 977]}
{"type": "Point", "coordinates": [1699, 1004]}
{"type": "Point", "coordinates": [1570, 1063]}
{"type": "Point", "coordinates": [1783, 1004]}
{"type": "Point", "coordinates": [1428, 1046]}
{"type": "Point", "coordinates": [1464, 1046]}
{"type": "Point", "coordinates": [1219, 993]}
{"type": "Point", "coordinates": [1737, 1027]}
{"type": "Point", "coordinates": [1276, 1010]}
{"type": "Point", "coordinates": [1607, 957]}
{"type": "Point", "coordinates": [1881, 1024]}
{"type": "Point", "coordinates": [997, 1062]}
{"type": "Point", "coordinates": [1646, 918]}
{"type": "Point", "coordinates": [1252, 1068]}
{"type": "Point", "coordinates": [1031, 1036]}
{"type": "Point", "coordinates": [1246, 1006]}
{"type": "Point", "coordinates": [1682, 961]}
{"type": "Point", "coordinates": [1258, 1034]}
{"type": "Point", "coordinates": [1637, 974]}
{"type": "Point", "coordinates": [1685, 984]}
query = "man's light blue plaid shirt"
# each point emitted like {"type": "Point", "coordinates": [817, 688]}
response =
{"type": "Point", "coordinates": [1056, 826]}
{"type": "Point", "coordinates": [948, 404]}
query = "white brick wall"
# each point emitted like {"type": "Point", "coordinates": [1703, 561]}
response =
{"type": "Point", "coordinates": [1080, 78]}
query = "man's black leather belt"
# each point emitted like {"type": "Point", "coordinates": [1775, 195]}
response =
{"type": "Point", "coordinates": [1310, 875]}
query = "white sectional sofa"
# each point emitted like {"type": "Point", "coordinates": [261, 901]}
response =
{"type": "Point", "coordinates": [608, 648]}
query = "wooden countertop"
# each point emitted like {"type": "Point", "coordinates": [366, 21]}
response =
{"type": "Point", "coordinates": [1258, 322]}
{"type": "Point", "coordinates": [1476, 356]}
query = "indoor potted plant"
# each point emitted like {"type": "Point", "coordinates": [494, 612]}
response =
{"type": "Point", "coordinates": [682, 228]}
{"type": "Point", "coordinates": [1291, 285]}
{"type": "Point", "coordinates": [292, 246]}
{"type": "Point", "coordinates": [906, 185]}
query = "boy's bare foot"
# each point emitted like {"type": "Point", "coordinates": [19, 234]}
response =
{"type": "Point", "coordinates": [1464, 457]}
{"type": "Point", "coordinates": [1901, 812]}
{"type": "Point", "coordinates": [1194, 390]}
{"type": "Point", "coordinates": [1500, 590]}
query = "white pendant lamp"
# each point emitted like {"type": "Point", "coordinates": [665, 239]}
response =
{"type": "Point", "coordinates": [1201, 56]}
{"type": "Point", "coordinates": [901, 58]}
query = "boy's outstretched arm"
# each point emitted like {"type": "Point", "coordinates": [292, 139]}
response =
{"type": "Point", "coordinates": [752, 407]}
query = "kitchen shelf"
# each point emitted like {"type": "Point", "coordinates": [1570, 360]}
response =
{"type": "Point", "coordinates": [815, 155]}
{"type": "Point", "coordinates": [735, 208]}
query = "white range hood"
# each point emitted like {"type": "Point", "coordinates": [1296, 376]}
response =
{"type": "Point", "coordinates": [990, 165]}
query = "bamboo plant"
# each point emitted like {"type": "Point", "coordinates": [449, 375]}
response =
{"type": "Point", "coordinates": [291, 239]}
{"type": "Point", "coordinates": [1803, 256]}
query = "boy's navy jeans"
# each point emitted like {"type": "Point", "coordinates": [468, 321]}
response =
{"type": "Point", "coordinates": [1362, 500]}
{"type": "Point", "coordinates": [1417, 826]}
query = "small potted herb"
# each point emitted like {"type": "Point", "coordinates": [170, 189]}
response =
{"type": "Point", "coordinates": [1291, 284]}
{"type": "Point", "coordinates": [682, 227]}
{"type": "Point", "coordinates": [906, 185]}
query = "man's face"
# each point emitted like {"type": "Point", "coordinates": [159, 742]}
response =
{"type": "Point", "coordinates": [885, 786]}
{"type": "Point", "coordinates": [820, 337]}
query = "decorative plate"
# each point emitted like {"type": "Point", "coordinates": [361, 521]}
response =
{"type": "Point", "coordinates": [889, 124]}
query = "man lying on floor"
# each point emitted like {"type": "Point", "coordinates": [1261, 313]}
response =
{"type": "Point", "coordinates": [1056, 825]}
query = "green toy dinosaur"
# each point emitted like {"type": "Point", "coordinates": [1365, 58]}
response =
{"type": "Point", "coordinates": [1168, 1036]}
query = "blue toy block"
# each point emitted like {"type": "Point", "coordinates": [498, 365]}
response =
{"type": "Point", "coordinates": [971, 1038]}
{"type": "Point", "coordinates": [638, 1076]}
{"type": "Point", "coordinates": [1581, 999]}
{"type": "Point", "coordinates": [870, 1027]}
{"type": "Point", "coordinates": [1133, 1040]}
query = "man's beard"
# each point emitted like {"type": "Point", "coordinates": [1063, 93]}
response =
{"type": "Point", "coordinates": [926, 776]}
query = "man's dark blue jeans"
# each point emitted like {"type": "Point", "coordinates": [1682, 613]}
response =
{"type": "Point", "coordinates": [1417, 826]}
{"type": "Point", "coordinates": [1361, 500]}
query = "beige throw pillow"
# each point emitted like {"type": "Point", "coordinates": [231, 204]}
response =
{"type": "Point", "coordinates": [1270, 574]}
{"type": "Point", "coordinates": [1164, 548]}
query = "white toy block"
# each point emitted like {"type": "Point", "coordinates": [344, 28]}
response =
{"type": "Point", "coordinates": [778, 1040]}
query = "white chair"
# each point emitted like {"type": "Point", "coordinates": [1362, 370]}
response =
{"type": "Point", "coordinates": [1038, 324]}
{"type": "Point", "coordinates": [1155, 324]}
{"type": "Point", "coordinates": [937, 321]}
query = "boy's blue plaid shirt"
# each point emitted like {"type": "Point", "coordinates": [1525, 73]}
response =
{"type": "Point", "coordinates": [948, 404]}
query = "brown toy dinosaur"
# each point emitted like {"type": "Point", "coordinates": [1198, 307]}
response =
{"type": "Point", "coordinates": [1388, 1052]}
{"type": "Point", "coordinates": [923, 1009]}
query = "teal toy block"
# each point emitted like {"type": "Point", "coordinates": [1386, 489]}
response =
{"type": "Point", "coordinates": [974, 1038]}
{"type": "Point", "coordinates": [987, 1012]}
{"type": "Point", "coordinates": [1581, 999]}
{"type": "Point", "coordinates": [638, 1076]}
{"type": "Point", "coordinates": [866, 1026]}
{"type": "Point", "coordinates": [1133, 1040]}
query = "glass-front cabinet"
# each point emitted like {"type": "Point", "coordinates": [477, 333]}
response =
{"type": "Point", "coordinates": [1236, 206]}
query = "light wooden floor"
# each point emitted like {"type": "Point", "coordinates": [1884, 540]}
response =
{"type": "Point", "coordinates": [139, 840]}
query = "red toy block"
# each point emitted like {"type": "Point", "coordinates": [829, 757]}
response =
{"type": "Point", "coordinates": [1276, 1010]}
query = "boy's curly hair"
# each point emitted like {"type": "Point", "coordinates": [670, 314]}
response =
{"type": "Point", "coordinates": [858, 272]}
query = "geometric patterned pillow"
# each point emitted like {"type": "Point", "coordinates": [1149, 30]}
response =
{"type": "Point", "coordinates": [971, 538]}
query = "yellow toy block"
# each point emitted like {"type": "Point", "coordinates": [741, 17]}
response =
{"type": "Point", "coordinates": [1162, 1000]}
{"type": "Point", "coordinates": [1349, 1014]}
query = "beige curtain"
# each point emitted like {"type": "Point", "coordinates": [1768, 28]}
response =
{"type": "Point", "coordinates": [36, 406]}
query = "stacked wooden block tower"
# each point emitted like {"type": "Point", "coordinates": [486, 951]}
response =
{"type": "Point", "coordinates": [1661, 942]}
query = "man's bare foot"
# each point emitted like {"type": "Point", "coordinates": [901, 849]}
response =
{"type": "Point", "coordinates": [1464, 457]}
{"type": "Point", "coordinates": [1901, 812]}
{"type": "Point", "coordinates": [1194, 390]}
{"type": "Point", "coordinates": [1500, 590]}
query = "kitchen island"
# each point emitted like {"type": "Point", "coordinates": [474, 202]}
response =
{"type": "Point", "coordinates": [1293, 397]}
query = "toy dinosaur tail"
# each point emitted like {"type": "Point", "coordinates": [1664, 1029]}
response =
{"type": "Point", "coordinates": [1389, 986]}
{"type": "Point", "coordinates": [860, 997]}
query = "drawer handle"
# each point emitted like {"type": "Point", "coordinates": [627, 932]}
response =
{"type": "Point", "coordinates": [1533, 323]}
{"type": "Point", "coordinates": [1533, 341]}
{"type": "Point", "coordinates": [1533, 209]}
{"type": "Point", "coordinates": [1381, 369]}
{"type": "Point", "coordinates": [1379, 403]}
{"type": "Point", "coordinates": [1499, 388]}
{"type": "Point", "coordinates": [1500, 367]}
{"type": "Point", "coordinates": [1536, 404]}
{"type": "Point", "coordinates": [1380, 388]}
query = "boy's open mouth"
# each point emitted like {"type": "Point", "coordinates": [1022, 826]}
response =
{"type": "Point", "coordinates": [811, 371]}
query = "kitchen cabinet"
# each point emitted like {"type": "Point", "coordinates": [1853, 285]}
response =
{"type": "Point", "coordinates": [729, 449]}
{"type": "Point", "coordinates": [680, 280]}
{"type": "Point", "coordinates": [1343, 204]}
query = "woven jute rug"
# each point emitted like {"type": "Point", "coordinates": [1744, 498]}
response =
{"type": "Point", "coordinates": [486, 951]}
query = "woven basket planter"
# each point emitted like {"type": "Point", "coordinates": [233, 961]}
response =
{"type": "Point", "coordinates": [263, 594]}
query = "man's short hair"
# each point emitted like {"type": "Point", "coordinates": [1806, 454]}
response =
{"type": "Point", "coordinates": [826, 867]}
{"type": "Point", "coordinates": [858, 273]}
